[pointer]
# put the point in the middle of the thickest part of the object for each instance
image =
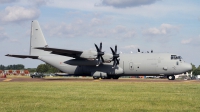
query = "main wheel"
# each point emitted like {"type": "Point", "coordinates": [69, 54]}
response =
{"type": "Point", "coordinates": [115, 77]}
{"type": "Point", "coordinates": [171, 77]}
{"type": "Point", "coordinates": [95, 77]}
{"type": "Point", "coordinates": [103, 77]}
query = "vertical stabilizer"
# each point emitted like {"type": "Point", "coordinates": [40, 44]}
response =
{"type": "Point", "coordinates": [37, 40]}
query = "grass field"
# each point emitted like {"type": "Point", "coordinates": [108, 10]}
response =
{"type": "Point", "coordinates": [99, 96]}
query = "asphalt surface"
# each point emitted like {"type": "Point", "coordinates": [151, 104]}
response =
{"type": "Point", "coordinates": [27, 79]}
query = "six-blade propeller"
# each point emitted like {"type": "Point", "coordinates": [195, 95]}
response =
{"type": "Point", "coordinates": [115, 57]}
{"type": "Point", "coordinates": [99, 54]}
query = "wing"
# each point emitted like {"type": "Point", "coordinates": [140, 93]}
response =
{"type": "Point", "coordinates": [22, 56]}
{"type": "Point", "coordinates": [63, 52]}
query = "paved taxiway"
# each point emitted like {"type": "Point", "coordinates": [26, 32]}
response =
{"type": "Point", "coordinates": [90, 79]}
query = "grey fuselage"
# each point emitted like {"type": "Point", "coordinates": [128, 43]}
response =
{"type": "Point", "coordinates": [98, 64]}
{"type": "Point", "coordinates": [147, 64]}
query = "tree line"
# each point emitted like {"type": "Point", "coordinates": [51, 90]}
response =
{"type": "Point", "coordinates": [195, 70]}
{"type": "Point", "coordinates": [46, 68]}
{"type": "Point", "coordinates": [12, 67]}
{"type": "Point", "coordinates": [43, 68]}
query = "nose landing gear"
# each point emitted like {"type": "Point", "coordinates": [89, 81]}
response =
{"type": "Point", "coordinates": [171, 77]}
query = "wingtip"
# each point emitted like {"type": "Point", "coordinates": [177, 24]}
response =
{"type": "Point", "coordinates": [7, 55]}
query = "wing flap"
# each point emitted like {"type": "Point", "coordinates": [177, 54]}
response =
{"type": "Point", "coordinates": [22, 56]}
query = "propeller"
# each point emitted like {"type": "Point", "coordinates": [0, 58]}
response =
{"type": "Point", "coordinates": [151, 51]}
{"type": "Point", "coordinates": [115, 57]}
{"type": "Point", "coordinates": [99, 54]}
{"type": "Point", "coordinates": [138, 50]}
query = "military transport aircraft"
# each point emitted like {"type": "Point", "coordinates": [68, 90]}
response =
{"type": "Point", "coordinates": [103, 65]}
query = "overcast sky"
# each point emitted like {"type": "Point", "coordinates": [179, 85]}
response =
{"type": "Point", "coordinates": [171, 26]}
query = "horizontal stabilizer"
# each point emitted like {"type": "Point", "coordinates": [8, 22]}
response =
{"type": "Point", "coordinates": [22, 56]}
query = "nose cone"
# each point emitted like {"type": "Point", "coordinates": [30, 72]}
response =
{"type": "Point", "coordinates": [188, 67]}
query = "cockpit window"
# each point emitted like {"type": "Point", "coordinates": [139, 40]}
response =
{"type": "Point", "coordinates": [174, 57]}
{"type": "Point", "coordinates": [179, 57]}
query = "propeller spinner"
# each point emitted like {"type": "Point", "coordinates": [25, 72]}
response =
{"type": "Point", "coordinates": [99, 54]}
{"type": "Point", "coordinates": [115, 57]}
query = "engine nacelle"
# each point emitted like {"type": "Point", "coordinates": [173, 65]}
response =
{"type": "Point", "coordinates": [92, 55]}
{"type": "Point", "coordinates": [89, 54]}
{"type": "Point", "coordinates": [107, 58]}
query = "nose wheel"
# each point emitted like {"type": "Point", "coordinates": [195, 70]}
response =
{"type": "Point", "coordinates": [171, 77]}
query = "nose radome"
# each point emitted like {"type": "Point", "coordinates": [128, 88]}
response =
{"type": "Point", "coordinates": [189, 67]}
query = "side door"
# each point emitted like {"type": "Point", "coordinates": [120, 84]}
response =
{"type": "Point", "coordinates": [128, 67]}
{"type": "Point", "coordinates": [131, 66]}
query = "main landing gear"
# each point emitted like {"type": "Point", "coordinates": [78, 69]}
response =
{"type": "Point", "coordinates": [108, 77]}
{"type": "Point", "coordinates": [171, 77]}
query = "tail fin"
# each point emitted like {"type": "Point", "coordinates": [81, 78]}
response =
{"type": "Point", "coordinates": [37, 40]}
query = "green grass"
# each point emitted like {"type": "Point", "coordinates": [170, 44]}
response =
{"type": "Point", "coordinates": [99, 96]}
